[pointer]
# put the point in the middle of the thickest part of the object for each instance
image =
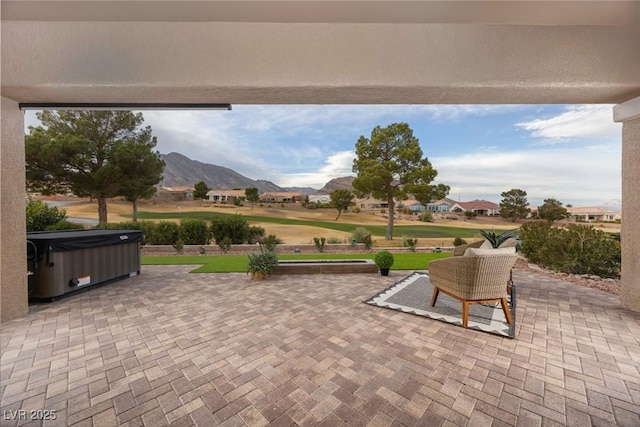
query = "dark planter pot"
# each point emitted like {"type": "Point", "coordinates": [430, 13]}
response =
{"type": "Point", "coordinates": [384, 271]}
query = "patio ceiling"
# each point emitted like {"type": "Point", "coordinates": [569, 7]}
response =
{"type": "Point", "coordinates": [321, 52]}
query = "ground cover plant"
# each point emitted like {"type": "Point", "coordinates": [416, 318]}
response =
{"type": "Point", "coordinates": [575, 249]}
{"type": "Point", "coordinates": [417, 231]}
{"type": "Point", "coordinates": [238, 263]}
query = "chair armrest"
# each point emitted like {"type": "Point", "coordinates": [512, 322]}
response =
{"type": "Point", "coordinates": [459, 250]}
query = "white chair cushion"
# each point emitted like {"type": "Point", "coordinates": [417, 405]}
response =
{"type": "Point", "coordinates": [481, 251]}
{"type": "Point", "coordinates": [486, 245]}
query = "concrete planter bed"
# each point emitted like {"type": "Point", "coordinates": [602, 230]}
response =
{"type": "Point", "coordinates": [328, 266]}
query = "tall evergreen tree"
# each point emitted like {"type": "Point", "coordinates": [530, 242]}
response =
{"type": "Point", "coordinates": [389, 165]}
{"type": "Point", "coordinates": [76, 151]}
{"type": "Point", "coordinates": [251, 194]}
{"type": "Point", "coordinates": [514, 204]}
{"type": "Point", "coordinates": [141, 168]}
{"type": "Point", "coordinates": [200, 190]}
{"type": "Point", "coordinates": [552, 210]}
{"type": "Point", "coordinates": [341, 199]}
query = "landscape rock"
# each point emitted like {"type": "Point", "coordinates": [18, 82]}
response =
{"type": "Point", "coordinates": [607, 285]}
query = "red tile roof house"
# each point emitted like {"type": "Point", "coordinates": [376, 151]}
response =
{"type": "Point", "coordinates": [282, 197]}
{"type": "Point", "coordinates": [481, 207]}
{"type": "Point", "coordinates": [372, 204]}
{"type": "Point", "coordinates": [176, 194]}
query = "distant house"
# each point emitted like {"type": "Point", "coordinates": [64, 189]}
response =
{"type": "Point", "coordinates": [593, 214]}
{"type": "Point", "coordinates": [371, 204]}
{"type": "Point", "coordinates": [282, 197]}
{"type": "Point", "coordinates": [319, 198]}
{"type": "Point", "coordinates": [413, 205]}
{"type": "Point", "coordinates": [175, 194]}
{"type": "Point", "coordinates": [440, 206]}
{"type": "Point", "coordinates": [481, 207]}
{"type": "Point", "coordinates": [226, 196]}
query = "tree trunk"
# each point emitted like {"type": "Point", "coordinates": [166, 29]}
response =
{"type": "Point", "coordinates": [102, 210]}
{"type": "Point", "coordinates": [135, 210]}
{"type": "Point", "coordinates": [339, 212]}
{"type": "Point", "coordinates": [392, 206]}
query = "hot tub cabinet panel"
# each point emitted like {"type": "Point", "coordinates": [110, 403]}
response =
{"type": "Point", "coordinates": [68, 261]}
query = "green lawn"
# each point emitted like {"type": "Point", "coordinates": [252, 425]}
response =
{"type": "Point", "coordinates": [421, 230]}
{"type": "Point", "coordinates": [238, 263]}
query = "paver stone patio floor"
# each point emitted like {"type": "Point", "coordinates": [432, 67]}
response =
{"type": "Point", "coordinates": [168, 347]}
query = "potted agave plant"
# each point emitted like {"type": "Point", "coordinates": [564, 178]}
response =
{"type": "Point", "coordinates": [262, 264]}
{"type": "Point", "coordinates": [498, 239]}
{"type": "Point", "coordinates": [384, 261]}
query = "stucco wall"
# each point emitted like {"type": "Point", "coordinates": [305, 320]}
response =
{"type": "Point", "coordinates": [269, 63]}
{"type": "Point", "coordinates": [631, 215]}
{"type": "Point", "coordinates": [13, 267]}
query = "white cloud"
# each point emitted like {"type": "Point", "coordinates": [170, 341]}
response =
{"type": "Point", "coordinates": [307, 145]}
{"type": "Point", "coordinates": [583, 176]}
{"type": "Point", "coordinates": [577, 121]}
{"type": "Point", "coordinates": [336, 165]}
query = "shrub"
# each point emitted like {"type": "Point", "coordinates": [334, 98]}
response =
{"type": "Point", "coordinates": [578, 249]}
{"type": "Point", "coordinates": [312, 206]}
{"type": "Point", "coordinates": [65, 225]}
{"type": "Point", "coordinates": [194, 232]}
{"type": "Point", "coordinates": [359, 234]}
{"type": "Point", "coordinates": [225, 244]}
{"type": "Point", "coordinates": [319, 242]}
{"type": "Point", "coordinates": [458, 241]}
{"type": "Point", "coordinates": [234, 227]}
{"type": "Point", "coordinates": [426, 217]}
{"type": "Point", "coordinates": [147, 227]}
{"type": "Point", "coordinates": [256, 234]}
{"type": "Point", "coordinates": [356, 210]}
{"type": "Point", "coordinates": [40, 215]}
{"type": "Point", "coordinates": [178, 246]}
{"type": "Point", "coordinates": [368, 242]}
{"type": "Point", "coordinates": [335, 240]}
{"type": "Point", "coordinates": [384, 259]}
{"type": "Point", "coordinates": [409, 243]}
{"type": "Point", "coordinates": [470, 214]}
{"type": "Point", "coordinates": [270, 242]}
{"type": "Point", "coordinates": [165, 233]}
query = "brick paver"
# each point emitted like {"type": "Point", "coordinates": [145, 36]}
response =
{"type": "Point", "coordinates": [171, 348]}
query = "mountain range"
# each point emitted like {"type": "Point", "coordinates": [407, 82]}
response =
{"type": "Point", "coordinates": [180, 170]}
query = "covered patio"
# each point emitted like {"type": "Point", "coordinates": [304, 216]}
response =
{"type": "Point", "coordinates": [172, 348]}
{"type": "Point", "coordinates": [168, 347]}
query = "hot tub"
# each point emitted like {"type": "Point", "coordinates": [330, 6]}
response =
{"type": "Point", "coordinates": [64, 262]}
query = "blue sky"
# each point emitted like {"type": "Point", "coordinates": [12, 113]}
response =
{"type": "Point", "coordinates": [569, 152]}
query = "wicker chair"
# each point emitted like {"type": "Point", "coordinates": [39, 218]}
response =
{"type": "Point", "coordinates": [473, 279]}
